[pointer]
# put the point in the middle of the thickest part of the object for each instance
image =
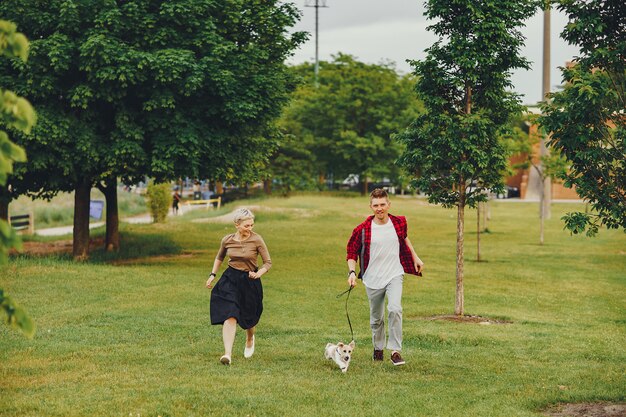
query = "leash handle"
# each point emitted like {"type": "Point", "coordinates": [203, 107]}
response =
{"type": "Point", "coordinates": [349, 290]}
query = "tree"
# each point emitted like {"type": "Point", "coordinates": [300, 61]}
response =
{"type": "Point", "coordinates": [550, 166]}
{"type": "Point", "coordinates": [586, 119]}
{"type": "Point", "coordinates": [150, 87]}
{"type": "Point", "coordinates": [15, 112]}
{"type": "Point", "coordinates": [453, 149]}
{"type": "Point", "coordinates": [348, 119]}
{"type": "Point", "coordinates": [159, 201]}
{"type": "Point", "coordinates": [292, 166]}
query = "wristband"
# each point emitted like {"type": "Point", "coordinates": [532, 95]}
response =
{"type": "Point", "coordinates": [351, 272]}
{"type": "Point", "coordinates": [212, 274]}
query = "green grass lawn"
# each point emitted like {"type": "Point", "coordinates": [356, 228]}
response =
{"type": "Point", "coordinates": [130, 335]}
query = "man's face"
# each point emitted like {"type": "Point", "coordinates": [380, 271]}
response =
{"type": "Point", "coordinates": [380, 207]}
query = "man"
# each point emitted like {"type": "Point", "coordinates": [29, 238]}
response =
{"type": "Point", "coordinates": [385, 253]}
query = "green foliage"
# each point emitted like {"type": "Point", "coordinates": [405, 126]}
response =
{"type": "Point", "coordinates": [9, 153]}
{"type": "Point", "coordinates": [9, 239]}
{"type": "Point", "coordinates": [149, 87]}
{"type": "Point", "coordinates": [292, 167]}
{"type": "Point", "coordinates": [464, 82]}
{"type": "Point", "coordinates": [578, 222]}
{"type": "Point", "coordinates": [17, 113]}
{"type": "Point", "coordinates": [16, 315]}
{"type": "Point", "coordinates": [347, 120]}
{"type": "Point", "coordinates": [586, 119]}
{"type": "Point", "coordinates": [519, 141]}
{"type": "Point", "coordinates": [12, 43]}
{"type": "Point", "coordinates": [159, 200]}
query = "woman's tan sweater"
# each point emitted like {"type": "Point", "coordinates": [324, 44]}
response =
{"type": "Point", "coordinates": [244, 255]}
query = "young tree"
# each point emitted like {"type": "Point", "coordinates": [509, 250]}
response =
{"type": "Point", "coordinates": [17, 113]}
{"type": "Point", "coordinates": [453, 149]}
{"type": "Point", "coordinates": [586, 119]}
{"type": "Point", "coordinates": [151, 87]}
{"type": "Point", "coordinates": [347, 119]}
{"type": "Point", "coordinates": [522, 143]}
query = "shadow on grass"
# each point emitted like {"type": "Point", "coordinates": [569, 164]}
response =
{"type": "Point", "coordinates": [135, 246]}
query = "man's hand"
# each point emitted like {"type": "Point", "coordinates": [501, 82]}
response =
{"type": "Point", "coordinates": [352, 280]}
{"type": "Point", "coordinates": [419, 265]}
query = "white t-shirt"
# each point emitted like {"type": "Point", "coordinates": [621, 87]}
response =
{"type": "Point", "coordinates": [384, 263]}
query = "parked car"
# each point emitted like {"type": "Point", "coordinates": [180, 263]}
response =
{"type": "Point", "coordinates": [509, 192]}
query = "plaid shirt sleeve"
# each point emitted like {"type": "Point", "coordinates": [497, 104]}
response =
{"type": "Point", "coordinates": [353, 248]}
{"type": "Point", "coordinates": [406, 259]}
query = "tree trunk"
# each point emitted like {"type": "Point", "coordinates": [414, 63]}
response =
{"type": "Point", "coordinates": [81, 221]}
{"type": "Point", "coordinates": [542, 215]}
{"type": "Point", "coordinates": [460, 224]}
{"type": "Point", "coordinates": [486, 216]}
{"type": "Point", "coordinates": [364, 184]}
{"type": "Point", "coordinates": [112, 240]}
{"type": "Point", "coordinates": [267, 186]}
{"type": "Point", "coordinates": [4, 210]}
{"type": "Point", "coordinates": [5, 200]}
{"type": "Point", "coordinates": [478, 231]}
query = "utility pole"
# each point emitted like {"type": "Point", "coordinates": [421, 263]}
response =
{"type": "Point", "coordinates": [317, 4]}
{"type": "Point", "coordinates": [546, 194]}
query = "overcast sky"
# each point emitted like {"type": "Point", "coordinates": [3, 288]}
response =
{"type": "Point", "coordinates": [395, 30]}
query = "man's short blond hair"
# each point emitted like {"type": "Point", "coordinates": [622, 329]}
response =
{"type": "Point", "coordinates": [378, 193]}
{"type": "Point", "coordinates": [242, 214]}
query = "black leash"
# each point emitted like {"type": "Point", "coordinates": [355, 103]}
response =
{"type": "Point", "coordinates": [349, 290]}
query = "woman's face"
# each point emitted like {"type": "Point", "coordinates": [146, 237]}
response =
{"type": "Point", "coordinates": [245, 227]}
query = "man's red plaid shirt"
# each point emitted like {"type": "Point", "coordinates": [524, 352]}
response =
{"type": "Point", "coordinates": [359, 244]}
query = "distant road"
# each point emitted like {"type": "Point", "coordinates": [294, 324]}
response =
{"type": "Point", "coordinates": [68, 230]}
{"type": "Point", "coordinates": [140, 219]}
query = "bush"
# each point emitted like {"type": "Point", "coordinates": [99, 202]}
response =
{"type": "Point", "coordinates": [159, 201]}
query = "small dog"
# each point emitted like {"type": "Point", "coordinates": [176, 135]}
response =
{"type": "Point", "coordinates": [340, 353]}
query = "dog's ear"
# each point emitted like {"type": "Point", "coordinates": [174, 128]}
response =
{"type": "Point", "coordinates": [340, 344]}
{"type": "Point", "coordinates": [352, 344]}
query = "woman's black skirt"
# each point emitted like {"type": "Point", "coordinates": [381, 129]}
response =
{"type": "Point", "coordinates": [239, 296]}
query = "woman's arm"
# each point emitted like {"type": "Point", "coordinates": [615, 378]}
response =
{"type": "Point", "coordinates": [267, 261]}
{"type": "Point", "coordinates": [216, 267]}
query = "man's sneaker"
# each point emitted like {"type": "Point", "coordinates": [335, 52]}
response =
{"type": "Point", "coordinates": [396, 359]}
{"type": "Point", "coordinates": [378, 355]}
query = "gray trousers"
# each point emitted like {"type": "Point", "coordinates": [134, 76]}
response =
{"type": "Point", "coordinates": [393, 291]}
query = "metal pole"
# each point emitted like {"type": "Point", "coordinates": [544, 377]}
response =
{"type": "Point", "coordinates": [317, 6]}
{"type": "Point", "coordinates": [317, 62]}
{"type": "Point", "coordinates": [544, 151]}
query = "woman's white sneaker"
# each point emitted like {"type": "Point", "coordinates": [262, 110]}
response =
{"type": "Point", "coordinates": [249, 351]}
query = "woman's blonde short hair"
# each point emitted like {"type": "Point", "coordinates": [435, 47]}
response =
{"type": "Point", "coordinates": [243, 214]}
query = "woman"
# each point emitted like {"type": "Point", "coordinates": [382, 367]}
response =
{"type": "Point", "coordinates": [238, 296]}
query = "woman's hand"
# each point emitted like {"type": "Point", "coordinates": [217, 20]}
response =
{"type": "Point", "coordinates": [255, 275]}
{"type": "Point", "coordinates": [209, 282]}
